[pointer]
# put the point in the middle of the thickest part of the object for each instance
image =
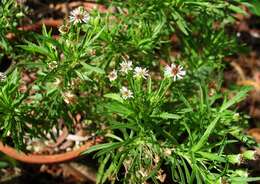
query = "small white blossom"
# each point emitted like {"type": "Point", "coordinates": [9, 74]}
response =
{"type": "Point", "coordinates": [175, 71]}
{"type": "Point", "coordinates": [126, 93]}
{"type": "Point", "coordinates": [126, 66]}
{"type": "Point", "coordinates": [140, 72]}
{"type": "Point", "coordinates": [2, 76]}
{"type": "Point", "coordinates": [79, 15]}
{"type": "Point", "coordinates": [112, 75]}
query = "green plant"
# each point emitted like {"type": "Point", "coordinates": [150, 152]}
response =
{"type": "Point", "coordinates": [189, 139]}
{"type": "Point", "coordinates": [253, 6]}
{"type": "Point", "coordinates": [10, 13]}
{"type": "Point", "coordinates": [178, 126]}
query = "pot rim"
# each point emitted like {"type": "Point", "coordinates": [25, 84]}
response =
{"type": "Point", "coordinates": [47, 159]}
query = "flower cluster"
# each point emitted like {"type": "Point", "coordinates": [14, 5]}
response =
{"type": "Point", "coordinates": [175, 71]}
{"type": "Point", "coordinates": [77, 16]}
{"type": "Point", "coordinates": [125, 68]}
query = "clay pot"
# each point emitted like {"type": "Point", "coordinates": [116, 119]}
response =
{"type": "Point", "coordinates": [46, 159]}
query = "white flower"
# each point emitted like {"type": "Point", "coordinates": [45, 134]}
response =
{"type": "Point", "coordinates": [140, 72]}
{"type": "Point", "coordinates": [2, 76]}
{"type": "Point", "coordinates": [126, 93]}
{"type": "Point", "coordinates": [175, 71]}
{"type": "Point", "coordinates": [112, 75]}
{"type": "Point", "coordinates": [79, 15]}
{"type": "Point", "coordinates": [126, 66]}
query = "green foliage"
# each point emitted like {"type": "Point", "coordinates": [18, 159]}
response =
{"type": "Point", "coordinates": [10, 13]}
{"type": "Point", "coordinates": [151, 136]}
{"type": "Point", "coordinates": [155, 126]}
{"type": "Point", "coordinates": [254, 6]}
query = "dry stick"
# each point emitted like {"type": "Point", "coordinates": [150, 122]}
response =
{"type": "Point", "coordinates": [80, 173]}
{"type": "Point", "coordinates": [250, 83]}
{"type": "Point", "coordinates": [245, 82]}
{"type": "Point", "coordinates": [61, 138]}
{"type": "Point", "coordinates": [36, 26]}
{"type": "Point", "coordinates": [57, 22]}
{"type": "Point", "coordinates": [86, 170]}
{"type": "Point", "coordinates": [239, 70]}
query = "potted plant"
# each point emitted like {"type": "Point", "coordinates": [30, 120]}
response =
{"type": "Point", "coordinates": [147, 77]}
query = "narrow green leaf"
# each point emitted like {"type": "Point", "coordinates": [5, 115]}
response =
{"type": "Point", "coordinates": [120, 109]}
{"type": "Point", "coordinates": [237, 9]}
{"type": "Point", "coordinates": [237, 98]}
{"type": "Point", "coordinates": [206, 134]}
{"type": "Point", "coordinates": [166, 115]}
{"type": "Point", "coordinates": [83, 76]}
{"type": "Point", "coordinates": [245, 179]}
{"type": "Point", "coordinates": [3, 164]}
{"type": "Point", "coordinates": [100, 147]}
{"type": "Point", "coordinates": [212, 156]}
{"type": "Point", "coordinates": [101, 169]}
{"type": "Point", "coordinates": [114, 137]}
{"type": "Point", "coordinates": [92, 68]}
{"type": "Point", "coordinates": [35, 49]}
{"type": "Point", "coordinates": [187, 172]}
{"type": "Point", "coordinates": [114, 96]}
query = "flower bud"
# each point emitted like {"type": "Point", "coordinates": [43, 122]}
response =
{"type": "Point", "coordinates": [234, 159]}
{"type": "Point", "coordinates": [249, 155]}
{"type": "Point", "coordinates": [19, 15]}
{"type": "Point", "coordinates": [241, 173]}
{"type": "Point", "coordinates": [96, 21]}
{"type": "Point", "coordinates": [236, 117]}
{"type": "Point", "coordinates": [63, 29]}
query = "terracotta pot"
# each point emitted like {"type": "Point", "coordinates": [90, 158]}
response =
{"type": "Point", "coordinates": [46, 159]}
